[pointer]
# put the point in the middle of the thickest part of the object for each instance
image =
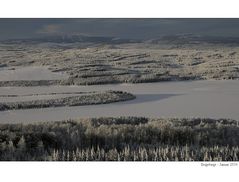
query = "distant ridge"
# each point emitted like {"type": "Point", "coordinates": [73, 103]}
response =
{"type": "Point", "coordinates": [193, 39]}
{"type": "Point", "coordinates": [178, 39]}
{"type": "Point", "coordinates": [72, 39]}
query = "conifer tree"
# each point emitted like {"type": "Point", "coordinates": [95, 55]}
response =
{"type": "Point", "coordinates": [21, 145]}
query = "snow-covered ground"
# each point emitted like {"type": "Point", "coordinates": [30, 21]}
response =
{"type": "Point", "coordinates": [29, 73]}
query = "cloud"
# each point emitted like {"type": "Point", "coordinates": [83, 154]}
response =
{"type": "Point", "coordinates": [50, 29]}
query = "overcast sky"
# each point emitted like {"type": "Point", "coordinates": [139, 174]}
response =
{"type": "Point", "coordinates": [122, 28]}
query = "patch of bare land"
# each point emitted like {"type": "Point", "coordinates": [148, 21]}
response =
{"type": "Point", "coordinates": [122, 63]}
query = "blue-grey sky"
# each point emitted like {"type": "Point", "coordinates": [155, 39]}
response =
{"type": "Point", "coordinates": [122, 28]}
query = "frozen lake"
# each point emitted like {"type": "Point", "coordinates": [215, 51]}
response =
{"type": "Point", "coordinates": [214, 99]}
{"type": "Point", "coordinates": [29, 73]}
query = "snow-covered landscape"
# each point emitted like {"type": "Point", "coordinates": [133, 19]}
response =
{"type": "Point", "coordinates": [119, 98]}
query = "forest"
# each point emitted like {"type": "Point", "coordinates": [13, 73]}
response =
{"type": "Point", "coordinates": [121, 139]}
